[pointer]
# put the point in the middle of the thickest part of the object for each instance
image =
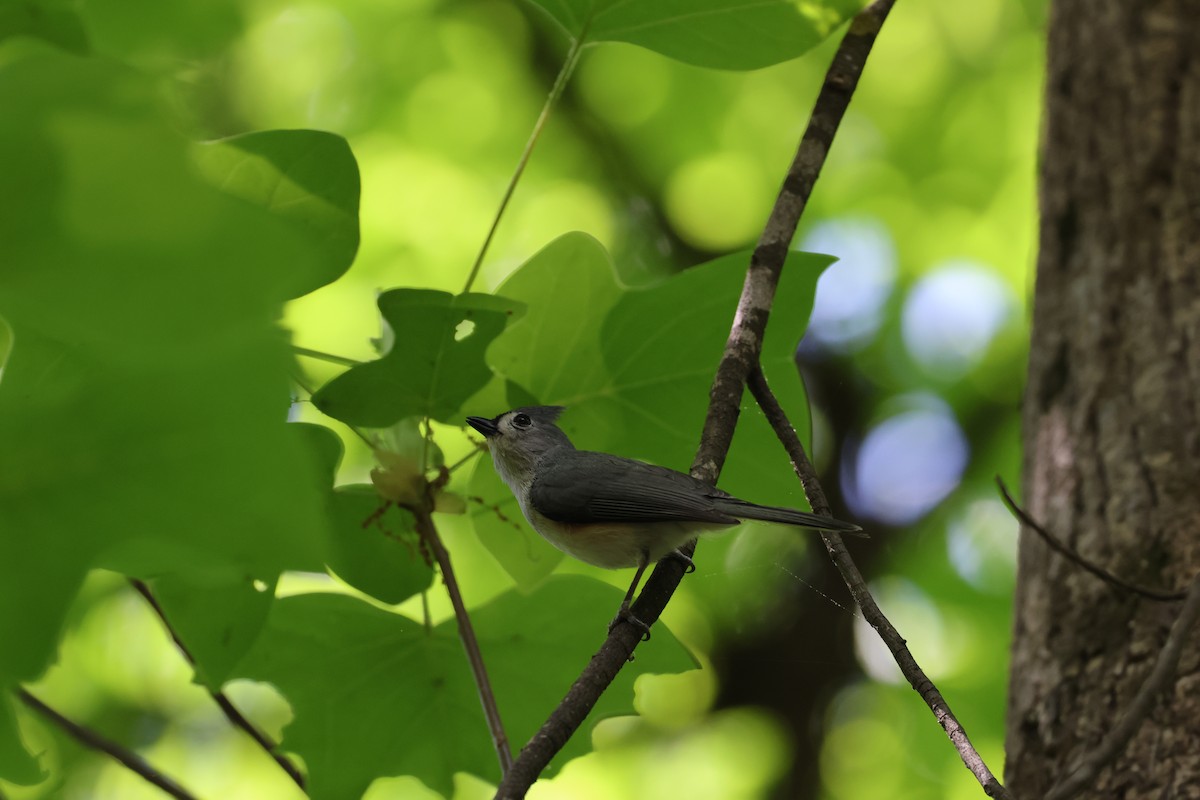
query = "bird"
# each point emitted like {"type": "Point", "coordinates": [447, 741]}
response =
{"type": "Point", "coordinates": [610, 511]}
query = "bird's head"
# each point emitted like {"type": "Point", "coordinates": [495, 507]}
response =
{"type": "Point", "coordinates": [520, 438]}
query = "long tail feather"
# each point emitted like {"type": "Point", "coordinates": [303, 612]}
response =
{"type": "Point", "coordinates": [788, 516]}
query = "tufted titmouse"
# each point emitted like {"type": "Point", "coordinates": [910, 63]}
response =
{"type": "Point", "coordinates": [610, 511]}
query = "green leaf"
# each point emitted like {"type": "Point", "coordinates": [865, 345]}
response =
{"type": "Point", "coordinates": [372, 548]}
{"type": "Point", "coordinates": [377, 553]}
{"type": "Point", "coordinates": [307, 178]}
{"type": "Point", "coordinates": [326, 449]}
{"type": "Point", "coordinates": [218, 618]}
{"type": "Point", "coordinates": [55, 21]}
{"type": "Point", "coordinates": [634, 368]}
{"type": "Point", "coordinates": [16, 765]}
{"type": "Point", "coordinates": [161, 36]}
{"type": "Point", "coordinates": [435, 364]}
{"type": "Point", "coordinates": [555, 351]}
{"type": "Point", "coordinates": [412, 708]}
{"type": "Point", "coordinates": [142, 408]}
{"type": "Point", "coordinates": [723, 34]}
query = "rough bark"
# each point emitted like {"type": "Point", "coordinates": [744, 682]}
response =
{"type": "Point", "coordinates": [1112, 408]}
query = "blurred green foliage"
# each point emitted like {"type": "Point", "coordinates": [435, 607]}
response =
{"type": "Point", "coordinates": [308, 178]}
{"type": "Point", "coordinates": [145, 261]}
{"type": "Point", "coordinates": [726, 34]}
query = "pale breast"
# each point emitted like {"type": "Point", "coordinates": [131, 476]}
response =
{"type": "Point", "coordinates": [616, 545]}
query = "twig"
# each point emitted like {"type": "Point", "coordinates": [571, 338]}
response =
{"type": "Point", "coordinates": [429, 534]}
{"type": "Point", "coordinates": [231, 712]}
{"type": "Point", "coordinates": [466, 632]}
{"type": "Point", "coordinates": [1078, 560]}
{"type": "Point", "coordinates": [556, 91]}
{"type": "Point", "coordinates": [741, 353]}
{"type": "Point", "coordinates": [479, 448]}
{"type": "Point", "coordinates": [1085, 772]}
{"type": "Point", "coordinates": [89, 738]}
{"type": "Point", "coordinates": [330, 357]}
{"type": "Point", "coordinates": [862, 595]}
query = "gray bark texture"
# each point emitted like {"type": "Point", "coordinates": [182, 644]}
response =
{"type": "Point", "coordinates": [1112, 408]}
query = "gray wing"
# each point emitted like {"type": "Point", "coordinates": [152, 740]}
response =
{"type": "Point", "coordinates": [579, 487]}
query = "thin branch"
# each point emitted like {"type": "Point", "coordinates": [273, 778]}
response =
{"type": "Point", "coordinates": [1078, 560]}
{"type": "Point", "coordinates": [741, 353]}
{"type": "Point", "coordinates": [466, 632]}
{"type": "Point", "coordinates": [556, 91]}
{"type": "Point", "coordinates": [231, 712]}
{"type": "Point", "coordinates": [862, 595]}
{"type": "Point", "coordinates": [427, 530]}
{"type": "Point", "coordinates": [1084, 773]}
{"type": "Point", "coordinates": [89, 738]}
{"type": "Point", "coordinates": [330, 357]}
{"type": "Point", "coordinates": [467, 458]}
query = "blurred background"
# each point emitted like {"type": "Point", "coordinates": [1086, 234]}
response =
{"type": "Point", "coordinates": [914, 360]}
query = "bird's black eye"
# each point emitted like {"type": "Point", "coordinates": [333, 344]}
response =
{"type": "Point", "coordinates": [522, 421]}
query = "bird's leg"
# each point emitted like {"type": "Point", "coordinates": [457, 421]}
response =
{"type": "Point", "coordinates": [624, 614]}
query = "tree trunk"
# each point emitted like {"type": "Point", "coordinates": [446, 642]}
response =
{"type": "Point", "coordinates": [1112, 409]}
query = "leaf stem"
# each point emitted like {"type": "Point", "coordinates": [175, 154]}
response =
{"type": "Point", "coordinates": [426, 440]}
{"type": "Point", "coordinates": [320, 356]}
{"type": "Point", "coordinates": [425, 613]}
{"type": "Point", "coordinates": [465, 459]}
{"type": "Point", "coordinates": [303, 384]}
{"type": "Point", "coordinates": [560, 83]}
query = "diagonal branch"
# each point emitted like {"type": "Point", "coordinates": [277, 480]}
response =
{"type": "Point", "coordinates": [89, 738]}
{"type": "Point", "coordinates": [466, 632]}
{"type": "Point", "coordinates": [862, 595]}
{"type": "Point", "coordinates": [740, 355]}
{"type": "Point", "coordinates": [1084, 773]}
{"type": "Point", "coordinates": [231, 712]}
{"type": "Point", "coordinates": [1071, 555]}
{"type": "Point", "coordinates": [428, 532]}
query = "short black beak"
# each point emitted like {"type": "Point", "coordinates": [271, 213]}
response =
{"type": "Point", "coordinates": [484, 425]}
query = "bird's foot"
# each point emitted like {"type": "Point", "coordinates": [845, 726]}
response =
{"type": "Point", "coordinates": [625, 615]}
{"type": "Point", "coordinates": [689, 566]}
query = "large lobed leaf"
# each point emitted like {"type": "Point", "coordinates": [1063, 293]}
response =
{"type": "Point", "coordinates": [634, 368]}
{"type": "Point", "coordinates": [219, 616]}
{"type": "Point", "coordinates": [216, 616]}
{"type": "Point", "coordinates": [143, 404]}
{"type": "Point", "coordinates": [435, 363]}
{"type": "Point", "coordinates": [724, 34]}
{"type": "Point", "coordinates": [375, 694]}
